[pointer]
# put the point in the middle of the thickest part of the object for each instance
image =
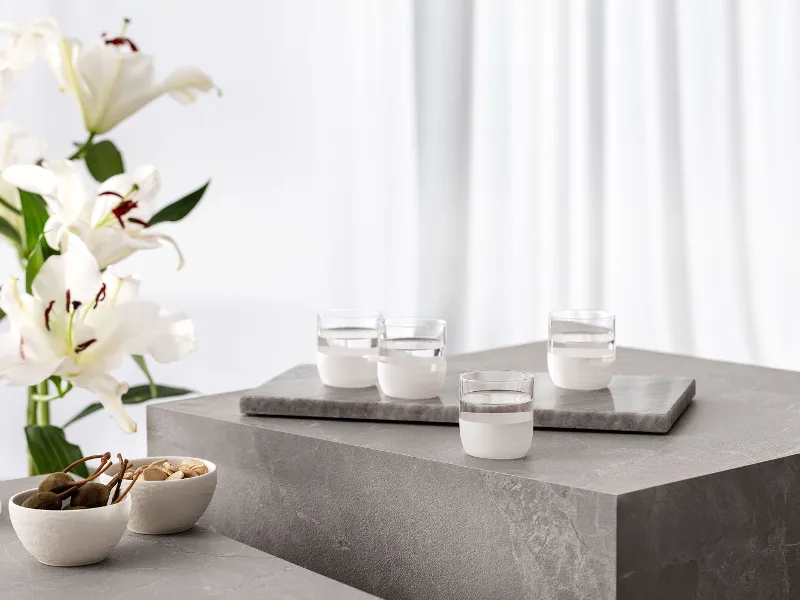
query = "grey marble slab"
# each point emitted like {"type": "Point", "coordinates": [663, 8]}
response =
{"type": "Point", "coordinates": [194, 564]}
{"type": "Point", "coordinates": [399, 510]}
{"type": "Point", "coordinates": [649, 404]}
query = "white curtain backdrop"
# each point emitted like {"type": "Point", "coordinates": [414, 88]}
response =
{"type": "Point", "coordinates": [481, 161]}
{"type": "Point", "coordinates": [639, 156]}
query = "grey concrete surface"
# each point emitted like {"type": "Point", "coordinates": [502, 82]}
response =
{"type": "Point", "coordinates": [400, 511]}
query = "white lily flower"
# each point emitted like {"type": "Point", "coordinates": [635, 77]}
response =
{"type": "Point", "coordinates": [111, 219]}
{"type": "Point", "coordinates": [80, 323]}
{"type": "Point", "coordinates": [112, 79]}
{"type": "Point", "coordinates": [16, 147]}
{"type": "Point", "coordinates": [20, 45]}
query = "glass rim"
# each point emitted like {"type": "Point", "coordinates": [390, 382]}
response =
{"type": "Point", "coordinates": [581, 314]}
{"type": "Point", "coordinates": [350, 313]}
{"type": "Point", "coordinates": [513, 376]}
{"type": "Point", "coordinates": [411, 322]}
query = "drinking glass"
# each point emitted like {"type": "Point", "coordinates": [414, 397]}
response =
{"type": "Point", "coordinates": [411, 359]}
{"type": "Point", "coordinates": [495, 417]}
{"type": "Point", "coordinates": [581, 349]}
{"type": "Point", "coordinates": [347, 347]}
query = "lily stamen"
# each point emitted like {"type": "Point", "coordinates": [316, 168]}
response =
{"type": "Point", "coordinates": [68, 300]}
{"type": "Point", "coordinates": [84, 345]}
{"type": "Point", "coordinates": [122, 209]}
{"type": "Point", "coordinates": [47, 314]}
{"type": "Point", "coordinates": [101, 295]}
{"type": "Point", "coordinates": [125, 206]}
{"type": "Point", "coordinates": [121, 40]}
{"type": "Point", "coordinates": [144, 224]}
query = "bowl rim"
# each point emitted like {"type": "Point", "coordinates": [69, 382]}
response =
{"type": "Point", "coordinates": [13, 505]}
{"type": "Point", "coordinates": [212, 468]}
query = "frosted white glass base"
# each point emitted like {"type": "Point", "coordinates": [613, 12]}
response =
{"type": "Point", "coordinates": [413, 378]}
{"type": "Point", "coordinates": [577, 370]}
{"type": "Point", "coordinates": [499, 436]}
{"type": "Point", "coordinates": [347, 371]}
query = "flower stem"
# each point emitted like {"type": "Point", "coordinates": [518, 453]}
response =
{"type": "Point", "coordinates": [82, 149]}
{"type": "Point", "coordinates": [43, 413]}
{"type": "Point", "coordinates": [31, 420]}
{"type": "Point", "coordinates": [42, 408]}
{"type": "Point", "coordinates": [59, 393]}
{"type": "Point", "coordinates": [31, 414]}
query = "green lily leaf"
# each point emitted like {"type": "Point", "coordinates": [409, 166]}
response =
{"type": "Point", "coordinates": [135, 395]}
{"type": "Point", "coordinates": [34, 215]}
{"type": "Point", "coordinates": [50, 451]}
{"type": "Point", "coordinates": [180, 208]}
{"type": "Point", "coordinates": [8, 231]}
{"type": "Point", "coordinates": [104, 160]}
{"type": "Point", "coordinates": [35, 262]}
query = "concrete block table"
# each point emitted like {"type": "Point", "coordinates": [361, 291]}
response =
{"type": "Point", "coordinates": [709, 510]}
{"type": "Point", "coordinates": [194, 564]}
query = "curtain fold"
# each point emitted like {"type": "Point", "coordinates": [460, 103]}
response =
{"type": "Point", "coordinates": [443, 77]}
{"type": "Point", "coordinates": [636, 156]}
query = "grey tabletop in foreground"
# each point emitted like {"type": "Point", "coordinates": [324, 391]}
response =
{"type": "Point", "coordinates": [708, 510]}
{"type": "Point", "coordinates": [194, 564]}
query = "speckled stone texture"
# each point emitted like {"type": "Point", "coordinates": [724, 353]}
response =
{"type": "Point", "coordinates": [194, 564]}
{"type": "Point", "coordinates": [648, 404]}
{"type": "Point", "coordinates": [398, 510]}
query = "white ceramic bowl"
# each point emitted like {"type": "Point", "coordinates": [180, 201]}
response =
{"type": "Point", "coordinates": [161, 507]}
{"type": "Point", "coordinates": [68, 538]}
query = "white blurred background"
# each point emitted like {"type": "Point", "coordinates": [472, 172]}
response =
{"type": "Point", "coordinates": [481, 161]}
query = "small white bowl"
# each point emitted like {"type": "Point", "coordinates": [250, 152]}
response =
{"type": "Point", "coordinates": [161, 507]}
{"type": "Point", "coordinates": [68, 538]}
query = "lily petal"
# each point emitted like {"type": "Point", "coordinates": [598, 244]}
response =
{"type": "Point", "coordinates": [18, 147]}
{"type": "Point", "coordinates": [16, 305]}
{"type": "Point", "coordinates": [75, 192]}
{"type": "Point", "coordinates": [58, 227]}
{"type": "Point", "coordinates": [33, 178]}
{"type": "Point", "coordinates": [186, 83]}
{"type": "Point", "coordinates": [176, 339]}
{"type": "Point", "coordinates": [111, 245]}
{"type": "Point", "coordinates": [75, 270]}
{"type": "Point", "coordinates": [19, 368]}
{"type": "Point", "coordinates": [109, 392]}
{"type": "Point", "coordinates": [26, 315]}
{"type": "Point", "coordinates": [116, 85]}
{"type": "Point", "coordinates": [21, 45]}
{"type": "Point", "coordinates": [147, 184]}
{"type": "Point", "coordinates": [122, 289]}
{"type": "Point", "coordinates": [171, 241]}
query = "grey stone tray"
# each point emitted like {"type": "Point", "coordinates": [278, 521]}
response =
{"type": "Point", "coordinates": [648, 404]}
